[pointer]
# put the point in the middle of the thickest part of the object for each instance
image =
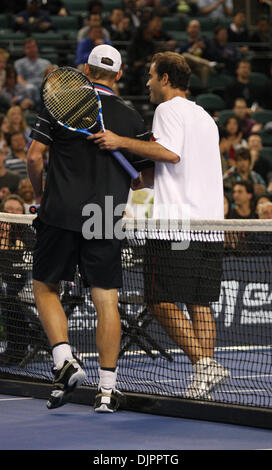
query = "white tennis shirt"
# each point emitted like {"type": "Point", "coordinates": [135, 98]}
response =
{"type": "Point", "coordinates": [193, 187]}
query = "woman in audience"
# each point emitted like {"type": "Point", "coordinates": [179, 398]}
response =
{"type": "Point", "coordinates": [17, 121]}
{"type": "Point", "coordinates": [231, 140]}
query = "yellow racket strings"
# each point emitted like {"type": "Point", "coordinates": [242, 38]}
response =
{"type": "Point", "coordinates": [70, 98]}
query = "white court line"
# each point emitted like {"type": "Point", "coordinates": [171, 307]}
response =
{"type": "Point", "coordinates": [11, 399]}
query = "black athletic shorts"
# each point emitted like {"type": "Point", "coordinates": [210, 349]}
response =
{"type": "Point", "coordinates": [58, 252]}
{"type": "Point", "coordinates": [191, 276]}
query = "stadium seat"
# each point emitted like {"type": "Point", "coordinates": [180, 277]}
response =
{"type": "Point", "coordinates": [210, 102]}
{"type": "Point", "coordinates": [266, 138]}
{"type": "Point", "coordinates": [266, 152]}
{"type": "Point", "coordinates": [47, 36]}
{"type": "Point", "coordinates": [75, 6]}
{"type": "Point", "coordinates": [4, 21]}
{"type": "Point", "coordinates": [53, 58]}
{"type": "Point", "coordinates": [206, 23]}
{"type": "Point", "coordinates": [65, 23]}
{"type": "Point", "coordinates": [195, 85]}
{"type": "Point", "coordinates": [225, 21]}
{"type": "Point", "coordinates": [171, 23]}
{"type": "Point", "coordinates": [258, 78]}
{"type": "Point", "coordinates": [8, 34]}
{"type": "Point", "coordinates": [218, 82]}
{"type": "Point", "coordinates": [179, 36]}
{"type": "Point", "coordinates": [262, 116]}
{"type": "Point", "coordinates": [224, 115]}
{"type": "Point", "coordinates": [109, 5]}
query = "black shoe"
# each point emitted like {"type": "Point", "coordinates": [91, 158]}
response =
{"type": "Point", "coordinates": [108, 401]}
{"type": "Point", "coordinates": [67, 379]}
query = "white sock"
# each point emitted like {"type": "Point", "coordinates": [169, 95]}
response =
{"type": "Point", "coordinates": [61, 352]}
{"type": "Point", "coordinates": [107, 380]}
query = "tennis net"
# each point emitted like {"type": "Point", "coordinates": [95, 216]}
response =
{"type": "Point", "coordinates": [156, 354]}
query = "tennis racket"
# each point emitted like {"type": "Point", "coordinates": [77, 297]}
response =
{"type": "Point", "coordinates": [71, 99]}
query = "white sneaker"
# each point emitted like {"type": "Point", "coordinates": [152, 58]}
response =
{"type": "Point", "coordinates": [208, 376]}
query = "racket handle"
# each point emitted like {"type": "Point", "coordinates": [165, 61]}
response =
{"type": "Point", "coordinates": [34, 208]}
{"type": "Point", "coordinates": [125, 164]}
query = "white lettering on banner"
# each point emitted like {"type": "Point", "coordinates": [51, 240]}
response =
{"type": "Point", "coordinates": [227, 301]}
{"type": "Point", "coordinates": [256, 317]}
{"type": "Point", "coordinates": [256, 295]}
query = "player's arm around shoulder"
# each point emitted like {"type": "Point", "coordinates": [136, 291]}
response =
{"type": "Point", "coordinates": [110, 141]}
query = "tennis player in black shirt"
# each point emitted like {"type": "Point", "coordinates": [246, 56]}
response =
{"type": "Point", "coordinates": [79, 173]}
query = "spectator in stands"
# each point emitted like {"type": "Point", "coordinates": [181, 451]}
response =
{"type": "Point", "coordinates": [215, 8]}
{"type": "Point", "coordinates": [13, 92]}
{"type": "Point", "coordinates": [17, 121]}
{"type": "Point", "coordinates": [263, 33]}
{"type": "Point", "coordinates": [4, 56]}
{"type": "Point", "coordinates": [259, 163]}
{"type": "Point", "coordinates": [187, 7]}
{"type": "Point", "coordinates": [223, 52]}
{"type": "Point", "coordinates": [124, 31]}
{"type": "Point", "coordinates": [95, 6]}
{"type": "Point", "coordinates": [16, 160]}
{"type": "Point", "coordinates": [133, 9]}
{"type": "Point", "coordinates": [241, 171]}
{"type": "Point", "coordinates": [33, 19]}
{"type": "Point", "coordinates": [237, 30]}
{"type": "Point", "coordinates": [140, 52]}
{"type": "Point", "coordinates": [260, 201]}
{"type": "Point", "coordinates": [26, 192]}
{"type": "Point", "coordinates": [265, 210]}
{"type": "Point", "coordinates": [9, 180]}
{"type": "Point", "coordinates": [115, 17]}
{"type": "Point", "coordinates": [155, 25]}
{"type": "Point", "coordinates": [85, 46]}
{"type": "Point", "coordinates": [4, 130]}
{"type": "Point", "coordinates": [243, 87]}
{"type": "Point", "coordinates": [55, 7]}
{"type": "Point", "coordinates": [13, 204]}
{"type": "Point", "coordinates": [196, 52]}
{"type": "Point", "coordinates": [30, 69]}
{"type": "Point", "coordinates": [267, 91]}
{"type": "Point", "coordinates": [231, 139]}
{"type": "Point", "coordinates": [243, 113]}
{"type": "Point", "coordinates": [95, 19]}
{"type": "Point", "coordinates": [14, 272]}
{"type": "Point", "coordinates": [244, 203]}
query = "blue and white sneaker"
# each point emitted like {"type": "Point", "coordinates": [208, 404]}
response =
{"type": "Point", "coordinates": [67, 378]}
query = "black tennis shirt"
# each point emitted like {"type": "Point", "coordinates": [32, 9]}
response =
{"type": "Point", "coordinates": [79, 173]}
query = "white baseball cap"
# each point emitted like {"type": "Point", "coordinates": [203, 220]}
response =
{"type": "Point", "coordinates": [105, 57]}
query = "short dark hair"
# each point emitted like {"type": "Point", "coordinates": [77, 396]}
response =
{"type": "Point", "coordinates": [175, 66]}
{"type": "Point", "coordinates": [247, 185]}
{"type": "Point", "coordinates": [242, 154]}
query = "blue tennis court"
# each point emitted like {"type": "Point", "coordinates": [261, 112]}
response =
{"type": "Point", "coordinates": [26, 424]}
{"type": "Point", "coordinates": [143, 373]}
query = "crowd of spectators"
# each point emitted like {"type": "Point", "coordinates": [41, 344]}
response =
{"type": "Point", "coordinates": [217, 42]}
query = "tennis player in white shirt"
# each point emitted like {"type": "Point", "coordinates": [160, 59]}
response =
{"type": "Point", "coordinates": [187, 173]}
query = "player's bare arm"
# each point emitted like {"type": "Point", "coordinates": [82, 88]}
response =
{"type": "Point", "coordinates": [35, 167]}
{"type": "Point", "coordinates": [110, 141]}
